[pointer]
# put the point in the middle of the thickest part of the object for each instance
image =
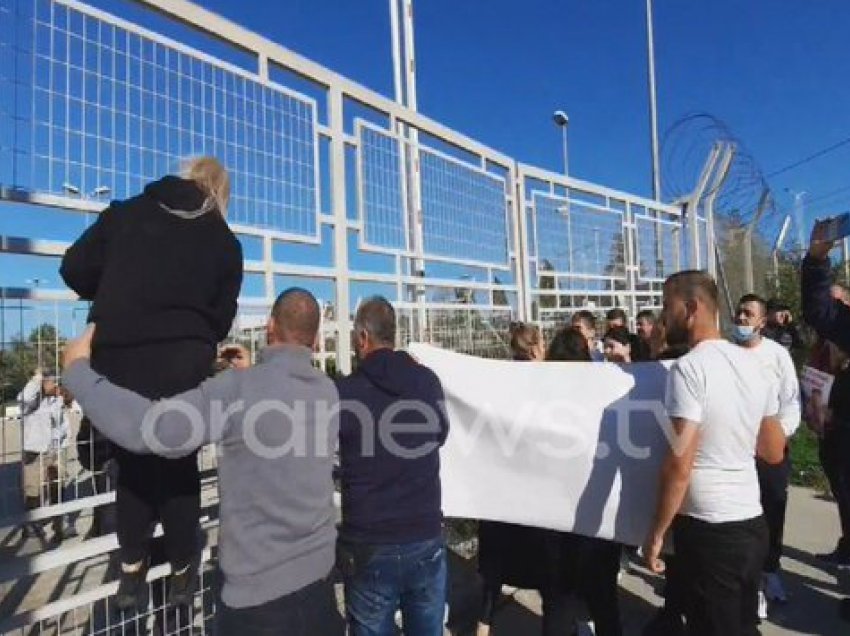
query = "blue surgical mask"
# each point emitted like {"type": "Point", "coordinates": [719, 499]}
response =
{"type": "Point", "coordinates": [744, 333]}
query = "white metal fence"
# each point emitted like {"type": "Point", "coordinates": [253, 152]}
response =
{"type": "Point", "coordinates": [335, 188]}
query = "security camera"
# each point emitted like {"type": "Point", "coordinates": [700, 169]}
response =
{"type": "Point", "coordinates": [560, 118]}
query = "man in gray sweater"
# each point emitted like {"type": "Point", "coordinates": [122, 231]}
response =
{"type": "Point", "coordinates": [277, 427]}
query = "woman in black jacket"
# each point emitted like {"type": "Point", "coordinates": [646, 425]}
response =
{"type": "Point", "coordinates": [163, 271]}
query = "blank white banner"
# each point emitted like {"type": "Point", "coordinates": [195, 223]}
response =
{"type": "Point", "coordinates": [573, 446]}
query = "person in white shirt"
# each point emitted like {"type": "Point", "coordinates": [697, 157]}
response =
{"type": "Point", "coordinates": [48, 420]}
{"type": "Point", "coordinates": [723, 413]}
{"type": "Point", "coordinates": [776, 362]}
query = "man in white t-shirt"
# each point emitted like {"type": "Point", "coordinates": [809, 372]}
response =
{"type": "Point", "coordinates": [723, 413]}
{"type": "Point", "coordinates": [776, 362]}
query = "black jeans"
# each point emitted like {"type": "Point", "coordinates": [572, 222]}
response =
{"type": "Point", "coordinates": [152, 488]}
{"type": "Point", "coordinates": [558, 618]}
{"type": "Point", "coordinates": [598, 567]}
{"type": "Point", "coordinates": [773, 481]}
{"type": "Point", "coordinates": [719, 566]}
{"type": "Point", "coordinates": [104, 518]}
{"type": "Point", "coordinates": [834, 452]}
{"type": "Point", "coordinates": [311, 611]}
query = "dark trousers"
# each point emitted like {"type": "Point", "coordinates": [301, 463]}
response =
{"type": "Point", "coordinates": [719, 566]}
{"type": "Point", "coordinates": [311, 611]}
{"type": "Point", "coordinates": [834, 451]}
{"type": "Point", "coordinates": [558, 617]}
{"type": "Point", "coordinates": [773, 481]}
{"type": "Point", "coordinates": [598, 567]}
{"type": "Point", "coordinates": [104, 519]}
{"type": "Point", "coordinates": [152, 488]}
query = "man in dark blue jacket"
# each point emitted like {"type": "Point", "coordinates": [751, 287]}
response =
{"type": "Point", "coordinates": [391, 549]}
{"type": "Point", "coordinates": [827, 315]}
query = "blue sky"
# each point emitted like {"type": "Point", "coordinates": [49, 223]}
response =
{"type": "Point", "coordinates": [775, 71]}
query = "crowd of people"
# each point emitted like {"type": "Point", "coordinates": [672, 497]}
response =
{"type": "Point", "coordinates": [163, 272]}
{"type": "Point", "coordinates": [717, 394]}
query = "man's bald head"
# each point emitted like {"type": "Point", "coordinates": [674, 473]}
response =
{"type": "Point", "coordinates": [295, 317]}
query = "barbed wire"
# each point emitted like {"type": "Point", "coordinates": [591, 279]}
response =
{"type": "Point", "coordinates": [686, 146]}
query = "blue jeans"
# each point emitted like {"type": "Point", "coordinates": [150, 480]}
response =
{"type": "Point", "coordinates": [380, 579]}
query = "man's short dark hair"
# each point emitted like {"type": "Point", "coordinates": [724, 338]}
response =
{"type": "Point", "coordinates": [619, 334]}
{"type": "Point", "coordinates": [691, 284]}
{"type": "Point", "coordinates": [648, 314]}
{"type": "Point", "coordinates": [616, 314]}
{"type": "Point", "coordinates": [775, 304]}
{"type": "Point", "coordinates": [296, 316]}
{"type": "Point", "coordinates": [585, 316]}
{"type": "Point", "coordinates": [376, 316]}
{"type": "Point", "coordinates": [568, 345]}
{"type": "Point", "coordinates": [754, 298]}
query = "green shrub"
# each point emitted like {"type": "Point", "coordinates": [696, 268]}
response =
{"type": "Point", "coordinates": [805, 463]}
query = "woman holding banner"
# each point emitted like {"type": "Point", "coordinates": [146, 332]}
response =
{"type": "Point", "coordinates": [522, 556]}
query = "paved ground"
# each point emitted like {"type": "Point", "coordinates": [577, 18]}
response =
{"type": "Point", "coordinates": [812, 528]}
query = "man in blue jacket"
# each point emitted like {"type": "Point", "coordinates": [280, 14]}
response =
{"type": "Point", "coordinates": [827, 315]}
{"type": "Point", "coordinates": [391, 550]}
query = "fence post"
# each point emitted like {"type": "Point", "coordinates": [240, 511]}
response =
{"type": "Point", "coordinates": [749, 275]}
{"type": "Point", "coordinates": [719, 179]}
{"type": "Point", "coordinates": [631, 264]}
{"type": "Point", "coordinates": [338, 197]}
{"type": "Point", "coordinates": [521, 239]}
{"type": "Point", "coordinates": [692, 208]}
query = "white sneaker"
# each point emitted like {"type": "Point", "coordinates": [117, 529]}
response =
{"type": "Point", "coordinates": [762, 611]}
{"type": "Point", "coordinates": [774, 590]}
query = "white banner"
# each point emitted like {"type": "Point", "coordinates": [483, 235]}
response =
{"type": "Point", "coordinates": [573, 446]}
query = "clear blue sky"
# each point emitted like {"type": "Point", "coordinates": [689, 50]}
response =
{"type": "Point", "coordinates": [778, 72]}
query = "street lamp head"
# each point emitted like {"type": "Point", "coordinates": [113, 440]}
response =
{"type": "Point", "coordinates": [560, 118]}
{"type": "Point", "coordinates": [101, 191]}
{"type": "Point", "coordinates": [71, 188]}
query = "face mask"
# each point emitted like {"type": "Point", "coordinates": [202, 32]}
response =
{"type": "Point", "coordinates": [744, 333]}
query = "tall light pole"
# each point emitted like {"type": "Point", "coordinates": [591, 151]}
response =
{"type": "Point", "coordinates": [563, 121]}
{"type": "Point", "coordinates": [653, 103]}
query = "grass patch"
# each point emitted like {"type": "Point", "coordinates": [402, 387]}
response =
{"type": "Point", "coordinates": [805, 463]}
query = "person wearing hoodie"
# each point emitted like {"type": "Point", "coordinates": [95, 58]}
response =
{"type": "Point", "coordinates": [391, 550]}
{"type": "Point", "coordinates": [163, 271]}
{"type": "Point", "coordinates": [277, 427]}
